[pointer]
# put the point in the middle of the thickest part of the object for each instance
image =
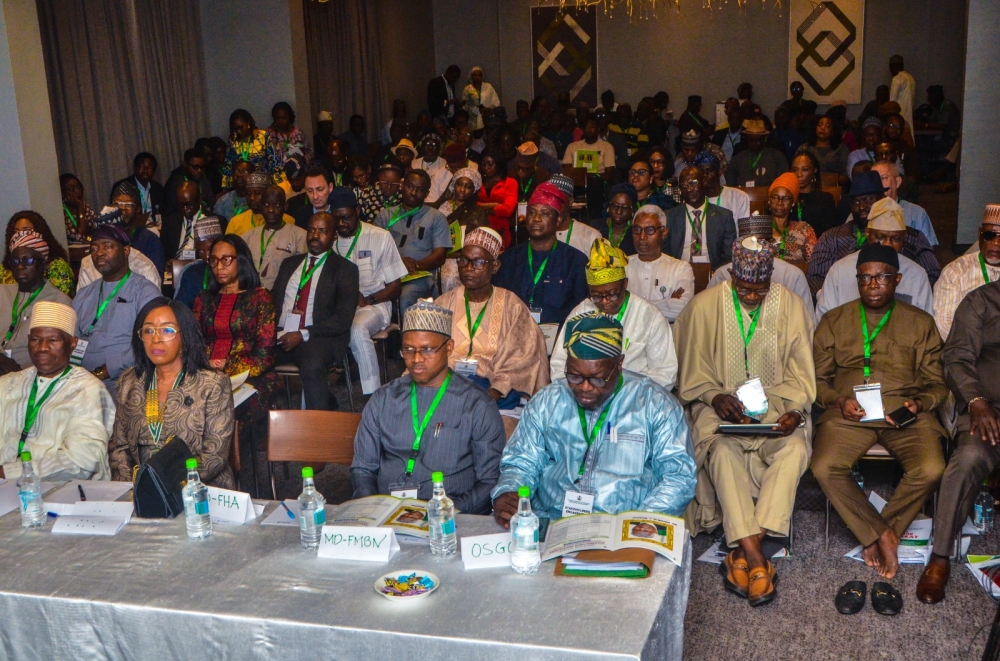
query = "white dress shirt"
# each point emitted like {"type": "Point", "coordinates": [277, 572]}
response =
{"type": "Point", "coordinates": [292, 288]}
{"type": "Point", "coordinates": [735, 200]}
{"type": "Point", "coordinates": [657, 280]}
{"type": "Point", "coordinates": [702, 255]}
{"type": "Point", "coordinates": [581, 236]}
{"type": "Point", "coordinates": [378, 262]}
{"type": "Point", "coordinates": [440, 176]}
{"type": "Point", "coordinates": [841, 286]}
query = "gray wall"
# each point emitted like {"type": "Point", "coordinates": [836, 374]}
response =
{"type": "Point", "coordinates": [408, 51]}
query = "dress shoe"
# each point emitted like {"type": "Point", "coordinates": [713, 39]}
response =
{"type": "Point", "coordinates": [930, 589]}
{"type": "Point", "coordinates": [762, 581]}
{"type": "Point", "coordinates": [735, 575]}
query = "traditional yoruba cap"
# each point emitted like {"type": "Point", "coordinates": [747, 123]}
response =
{"type": "Point", "coordinates": [454, 152]}
{"type": "Point", "coordinates": [126, 187]}
{"type": "Point", "coordinates": [593, 336]}
{"type": "Point", "coordinates": [475, 69]}
{"type": "Point", "coordinates": [607, 263]}
{"type": "Point", "coordinates": [471, 175]}
{"type": "Point", "coordinates": [547, 194]}
{"type": "Point", "coordinates": [563, 183]}
{"type": "Point", "coordinates": [207, 227]}
{"type": "Point", "coordinates": [487, 239]}
{"type": "Point", "coordinates": [753, 260]}
{"type": "Point", "coordinates": [49, 314]}
{"type": "Point", "coordinates": [404, 144]}
{"type": "Point", "coordinates": [295, 166]}
{"type": "Point", "coordinates": [430, 135]}
{"type": "Point", "coordinates": [691, 138]}
{"type": "Point", "coordinates": [871, 121]}
{"type": "Point", "coordinates": [838, 102]}
{"type": "Point", "coordinates": [29, 239]}
{"type": "Point", "coordinates": [708, 158]}
{"type": "Point", "coordinates": [424, 316]}
{"type": "Point", "coordinates": [789, 181]}
{"type": "Point", "coordinates": [754, 225]}
{"type": "Point", "coordinates": [324, 116]}
{"type": "Point", "coordinates": [866, 183]}
{"type": "Point", "coordinates": [991, 216]}
{"type": "Point", "coordinates": [624, 188]}
{"type": "Point", "coordinates": [876, 252]}
{"type": "Point", "coordinates": [527, 148]}
{"type": "Point", "coordinates": [755, 127]}
{"type": "Point", "coordinates": [112, 232]}
{"type": "Point", "coordinates": [258, 180]}
{"type": "Point", "coordinates": [109, 216]}
{"type": "Point", "coordinates": [887, 216]}
{"type": "Point", "coordinates": [342, 197]}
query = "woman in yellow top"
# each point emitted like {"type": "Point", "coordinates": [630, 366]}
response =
{"type": "Point", "coordinates": [58, 270]}
{"type": "Point", "coordinates": [251, 144]}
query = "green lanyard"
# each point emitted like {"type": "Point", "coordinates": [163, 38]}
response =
{"type": "Point", "coordinates": [694, 232]}
{"type": "Point", "coordinates": [524, 188]}
{"type": "Point", "coordinates": [204, 280]}
{"type": "Point", "coordinates": [31, 413]}
{"type": "Point", "coordinates": [754, 162]}
{"type": "Point", "coordinates": [307, 275]}
{"type": "Point", "coordinates": [479, 319]}
{"type": "Point", "coordinates": [72, 218]}
{"type": "Point", "coordinates": [859, 237]}
{"type": "Point", "coordinates": [621, 311]}
{"type": "Point", "coordinates": [590, 435]}
{"type": "Point", "coordinates": [353, 243]}
{"type": "Point", "coordinates": [420, 425]}
{"type": "Point", "coordinates": [156, 428]}
{"type": "Point", "coordinates": [264, 246]}
{"type": "Point", "coordinates": [695, 118]}
{"type": "Point", "coordinates": [104, 304]}
{"type": "Point", "coordinates": [784, 236]}
{"type": "Point", "coordinates": [798, 206]}
{"type": "Point", "coordinates": [868, 339]}
{"type": "Point", "coordinates": [746, 336]}
{"type": "Point", "coordinates": [982, 265]}
{"type": "Point", "coordinates": [400, 216]}
{"type": "Point", "coordinates": [569, 231]}
{"type": "Point", "coordinates": [531, 268]}
{"type": "Point", "coordinates": [611, 234]}
{"type": "Point", "coordinates": [15, 313]}
{"type": "Point", "coordinates": [239, 207]}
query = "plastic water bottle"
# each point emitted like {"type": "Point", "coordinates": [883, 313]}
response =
{"type": "Point", "coordinates": [195, 495]}
{"type": "Point", "coordinates": [858, 477]}
{"type": "Point", "coordinates": [983, 517]}
{"type": "Point", "coordinates": [441, 515]}
{"type": "Point", "coordinates": [525, 557]}
{"type": "Point", "coordinates": [29, 490]}
{"type": "Point", "coordinates": [312, 511]}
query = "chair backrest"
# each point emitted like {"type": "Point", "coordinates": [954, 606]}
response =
{"type": "Point", "coordinates": [702, 274]}
{"type": "Point", "coordinates": [578, 175]}
{"type": "Point", "coordinates": [836, 191]}
{"type": "Point", "coordinates": [234, 451]}
{"type": "Point", "coordinates": [312, 436]}
{"type": "Point", "coordinates": [177, 266]}
{"type": "Point", "coordinates": [830, 180]}
{"type": "Point", "coordinates": [758, 198]}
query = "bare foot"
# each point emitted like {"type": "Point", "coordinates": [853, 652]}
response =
{"type": "Point", "coordinates": [888, 545]}
{"type": "Point", "coordinates": [872, 556]}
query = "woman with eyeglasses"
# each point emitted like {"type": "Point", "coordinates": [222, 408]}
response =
{"type": "Point", "coordinates": [171, 392]}
{"type": "Point", "coordinates": [795, 239]}
{"type": "Point", "coordinates": [464, 214]}
{"type": "Point", "coordinates": [621, 209]}
{"type": "Point", "coordinates": [57, 268]}
{"type": "Point", "coordinates": [237, 318]}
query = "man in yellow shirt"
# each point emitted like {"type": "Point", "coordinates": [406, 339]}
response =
{"type": "Point", "coordinates": [240, 224]}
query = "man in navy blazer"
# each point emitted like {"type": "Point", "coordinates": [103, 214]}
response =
{"type": "Point", "coordinates": [699, 230]}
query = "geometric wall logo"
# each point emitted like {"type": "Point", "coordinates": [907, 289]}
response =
{"type": "Point", "coordinates": [564, 53]}
{"type": "Point", "coordinates": [829, 48]}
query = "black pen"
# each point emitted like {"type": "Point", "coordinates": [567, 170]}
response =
{"type": "Point", "coordinates": [83, 496]}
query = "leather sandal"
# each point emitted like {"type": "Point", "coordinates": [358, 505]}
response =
{"type": "Point", "coordinates": [762, 588]}
{"type": "Point", "coordinates": [886, 599]}
{"type": "Point", "coordinates": [851, 597]}
{"type": "Point", "coordinates": [735, 575]}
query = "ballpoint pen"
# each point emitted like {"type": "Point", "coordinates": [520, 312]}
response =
{"type": "Point", "coordinates": [290, 514]}
{"type": "Point", "coordinates": [83, 496]}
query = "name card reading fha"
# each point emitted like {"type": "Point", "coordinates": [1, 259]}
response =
{"type": "Point", "coordinates": [483, 551]}
{"type": "Point", "coordinates": [227, 506]}
{"type": "Point", "coordinates": [355, 543]}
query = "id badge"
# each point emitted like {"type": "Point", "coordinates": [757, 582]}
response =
{"type": "Point", "coordinates": [403, 490]}
{"type": "Point", "coordinates": [76, 358]}
{"type": "Point", "coordinates": [466, 366]}
{"type": "Point", "coordinates": [577, 502]}
{"type": "Point", "coordinates": [751, 394]}
{"type": "Point", "coordinates": [869, 396]}
{"type": "Point", "coordinates": [748, 184]}
{"type": "Point", "coordinates": [188, 255]}
{"type": "Point", "coordinates": [522, 211]}
{"type": "Point", "coordinates": [7, 353]}
{"type": "Point", "coordinates": [536, 314]}
{"type": "Point", "coordinates": [291, 323]}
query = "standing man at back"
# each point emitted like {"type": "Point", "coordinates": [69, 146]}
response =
{"type": "Point", "coordinates": [902, 89]}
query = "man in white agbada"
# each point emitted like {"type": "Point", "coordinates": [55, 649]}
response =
{"type": "Point", "coordinates": [648, 342]}
{"type": "Point", "coordinates": [62, 413]}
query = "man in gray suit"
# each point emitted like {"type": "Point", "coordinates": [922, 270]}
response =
{"type": "Point", "coordinates": [699, 231]}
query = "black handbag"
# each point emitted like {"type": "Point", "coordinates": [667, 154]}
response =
{"type": "Point", "coordinates": [158, 482]}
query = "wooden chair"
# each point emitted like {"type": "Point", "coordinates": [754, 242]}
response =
{"type": "Point", "coordinates": [176, 266]}
{"type": "Point", "coordinates": [380, 339]}
{"type": "Point", "coordinates": [830, 180]}
{"type": "Point", "coordinates": [758, 198]}
{"type": "Point", "coordinates": [835, 191]}
{"type": "Point", "coordinates": [310, 436]}
{"type": "Point", "coordinates": [234, 455]}
{"type": "Point", "coordinates": [702, 274]}
{"type": "Point", "coordinates": [290, 371]}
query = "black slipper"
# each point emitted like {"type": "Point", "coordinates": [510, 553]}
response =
{"type": "Point", "coordinates": [886, 599]}
{"type": "Point", "coordinates": [851, 597]}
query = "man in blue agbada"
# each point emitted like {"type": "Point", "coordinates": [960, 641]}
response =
{"type": "Point", "coordinates": [600, 432]}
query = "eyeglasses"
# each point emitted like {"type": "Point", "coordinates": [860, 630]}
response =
{"type": "Point", "coordinates": [690, 185]}
{"type": "Point", "coordinates": [595, 381]}
{"type": "Point", "coordinates": [882, 278]}
{"type": "Point", "coordinates": [610, 296]}
{"type": "Point", "coordinates": [988, 235]}
{"type": "Point", "coordinates": [425, 352]}
{"type": "Point", "coordinates": [620, 207]}
{"type": "Point", "coordinates": [124, 205]}
{"type": "Point", "coordinates": [476, 264]}
{"type": "Point", "coordinates": [648, 231]}
{"type": "Point", "coordinates": [657, 161]}
{"type": "Point", "coordinates": [743, 291]}
{"type": "Point", "coordinates": [28, 261]}
{"type": "Point", "coordinates": [225, 260]}
{"type": "Point", "coordinates": [165, 333]}
{"type": "Point", "coordinates": [390, 184]}
{"type": "Point", "coordinates": [638, 173]}
{"type": "Point", "coordinates": [781, 200]}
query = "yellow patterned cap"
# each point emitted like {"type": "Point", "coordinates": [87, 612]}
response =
{"type": "Point", "coordinates": [47, 314]}
{"type": "Point", "coordinates": [607, 263]}
{"type": "Point", "coordinates": [886, 216]}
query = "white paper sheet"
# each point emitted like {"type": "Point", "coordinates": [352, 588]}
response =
{"type": "Point", "coordinates": [94, 489]}
{"type": "Point", "coordinates": [280, 517]}
{"type": "Point", "coordinates": [87, 525]}
{"type": "Point", "coordinates": [871, 402]}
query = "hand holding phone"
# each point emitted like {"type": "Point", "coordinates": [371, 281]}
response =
{"type": "Point", "coordinates": [902, 417]}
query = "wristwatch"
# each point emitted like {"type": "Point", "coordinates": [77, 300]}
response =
{"type": "Point", "coordinates": [101, 372]}
{"type": "Point", "coordinates": [371, 300]}
{"type": "Point", "coordinates": [802, 418]}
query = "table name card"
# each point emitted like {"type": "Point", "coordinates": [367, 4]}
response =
{"type": "Point", "coordinates": [483, 551]}
{"type": "Point", "coordinates": [226, 506]}
{"type": "Point", "coordinates": [356, 543]}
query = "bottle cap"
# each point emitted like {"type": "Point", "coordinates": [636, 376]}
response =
{"type": "Point", "coordinates": [26, 456]}
{"type": "Point", "coordinates": [192, 464]}
{"type": "Point", "coordinates": [437, 476]}
{"type": "Point", "coordinates": [524, 491]}
{"type": "Point", "coordinates": [307, 471]}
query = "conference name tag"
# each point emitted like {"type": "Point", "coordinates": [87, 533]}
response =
{"type": "Point", "coordinates": [870, 398]}
{"type": "Point", "coordinates": [226, 506]}
{"type": "Point", "coordinates": [291, 322]}
{"type": "Point", "coordinates": [188, 255]}
{"type": "Point", "coordinates": [577, 503]}
{"type": "Point", "coordinates": [356, 543]}
{"type": "Point", "coordinates": [466, 367]}
{"type": "Point", "coordinates": [7, 352]}
{"type": "Point", "coordinates": [484, 551]}
{"type": "Point", "coordinates": [77, 356]}
{"type": "Point", "coordinates": [522, 211]}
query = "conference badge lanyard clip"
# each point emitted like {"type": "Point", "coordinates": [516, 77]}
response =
{"type": "Point", "coordinates": [406, 488]}
{"type": "Point", "coordinates": [467, 366]}
{"type": "Point", "coordinates": [536, 276]}
{"type": "Point", "coordinates": [869, 395]}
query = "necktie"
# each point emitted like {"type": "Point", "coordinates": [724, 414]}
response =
{"type": "Point", "coordinates": [303, 300]}
{"type": "Point", "coordinates": [696, 233]}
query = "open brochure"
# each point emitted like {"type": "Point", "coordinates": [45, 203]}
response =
{"type": "Point", "coordinates": [407, 516]}
{"type": "Point", "coordinates": [242, 391]}
{"type": "Point", "coordinates": [659, 533]}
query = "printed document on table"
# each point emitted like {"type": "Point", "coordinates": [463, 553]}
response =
{"type": "Point", "coordinates": [407, 516]}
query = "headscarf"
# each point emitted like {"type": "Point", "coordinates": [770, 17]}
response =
{"type": "Point", "coordinates": [626, 188]}
{"type": "Point", "coordinates": [486, 238]}
{"type": "Point", "coordinates": [547, 194]}
{"type": "Point", "coordinates": [471, 175]}
{"type": "Point", "coordinates": [29, 239]}
{"type": "Point", "coordinates": [787, 180]}
{"type": "Point", "coordinates": [753, 260]}
{"type": "Point", "coordinates": [607, 263]}
{"type": "Point", "coordinates": [593, 336]}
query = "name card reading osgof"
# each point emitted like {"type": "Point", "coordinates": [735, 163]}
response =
{"type": "Point", "coordinates": [483, 551]}
{"type": "Point", "coordinates": [357, 543]}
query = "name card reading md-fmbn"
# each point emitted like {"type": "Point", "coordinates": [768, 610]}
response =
{"type": "Point", "coordinates": [356, 543]}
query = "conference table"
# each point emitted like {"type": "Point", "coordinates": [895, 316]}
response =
{"type": "Point", "coordinates": [252, 592]}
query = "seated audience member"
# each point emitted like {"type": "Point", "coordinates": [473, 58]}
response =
{"type": "Point", "coordinates": [287, 138]}
{"type": "Point", "coordinates": [788, 276]}
{"type": "Point", "coordinates": [785, 134]}
{"type": "Point", "coordinates": [498, 194]}
{"type": "Point", "coordinates": [468, 435]}
{"type": "Point", "coordinates": [67, 430]}
{"type": "Point", "coordinates": [150, 191]}
{"type": "Point", "coordinates": [648, 345]}
{"type": "Point", "coordinates": [759, 368]}
{"type": "Point", "coordinates": [385, 192]}
{"type": "Point", "coordinates": [815, 206]}
{"type": "Point", "coordinates": [57, 268]}
{"type": "Point", "coordinates": [527, 172]}
{"type": "Point", "coordinates": [969, 271]}
{"type": "Point", "coordinates": [635, 450]}
{"type": "Point", "coordinates": [275, 241]}
{"type": "Point", "coordinates": [177, 233]}
{"type": "Point", "coordinates": [405, 152]}
{"type": "Point", "coordinates": [905, 363]}
{"type": "Point", "coordinates": [139, 263]}
{"type": "Point", "coordinates": [430, 161]}
{"type": "Point", "coordinates": [794, 239]}
{"type": "Point", "coordinates": [249, 143]}
{"type": "Point", "coordinates": [667, 283]}
{"type": "Point", "coordinates": [885, 226]}
{"type": "Point", "coordinates": [617, 229]}
{"type": "Point", "coordinates": [729, 134]}
{"type": "Point", "coordinates": [570, 231]}
{"type": "Point", "coordinates": [907, 190]}
{"type": "Point", "coordinates": [597, 156]}
{"type": "Point", "coordinates": [234, 201]}
{"type": "Point", "coordinates": [547, 157]}
{"type": "Point", "coordinates": [699, 230]}
{"type": "Point", "coordinates": [727, 197]}
{"type": "Point", "coordinates": [195, 276]}
{"type": "Point", "coordinates": [660, 160]}
{"type": "Point", "coordinates": [237, 320]}
{"type": "Point", "coordinates": [497, 345]}
{"type": "Point", "coordinates": [191, 170]}
{"type": "Point", "coordinates": [692, 145]}
{"type": "Point", "coordinates": [848, 238]}
{"type": "Point", "coordinates": [372, 250]}
{"type": "Point", "coordinates": [355, 136]}
{"type": "Point", "coordinates": [871, 135]}
{"type": "Point", "coordinates": [27, 257]}
{"type": "Point", "coordinates": [317, 186]}
{"type": "Point", "coordinates": [970, 369]}
{"type": "Point", "coordinates": [455, 155]}
{"type": "Point", "coordinates": [463, 214]}
{"type": "Point", "coordinates": [172, 393]}
{"type": "Point", "coordinates": [640, 176]}
{"type": "Point", "coordinates": [758, 164]}
{"type": "Point", "coordinates": [914, 214]}
{"type": "Point", "coordinates": [106, 308]}
{"type": "Point", "coordinates": [316, 297]}
{"type": "Point", "coordinates": [77, 214]}
{"type": "Point", "coordinates": [421, 236]}
{"type": "Point", "coordinates": [126, 198]}
{"type": "Point", "coordinates": [240, 224]}
{"type": "Point", "coordinates": [830, 152]}
{"type": "Point", "coordinates": [547, 277]}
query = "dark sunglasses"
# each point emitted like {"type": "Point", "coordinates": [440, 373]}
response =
{"type": "Point", "coordinates": [988, 235]}
{"type": "Point", "coordinates": [28, 261]}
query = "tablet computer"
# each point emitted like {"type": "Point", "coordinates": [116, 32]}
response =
{"type": "Point", "coordinates": [758, 429]}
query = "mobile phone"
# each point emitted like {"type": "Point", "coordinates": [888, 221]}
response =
{"type": "Point", "coordinates": [902, 416]}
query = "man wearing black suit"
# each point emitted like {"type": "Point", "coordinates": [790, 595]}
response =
{"type": "Point", "coordinates": [699, 231]}
{"type": "Point", "coordinates": [150, 192]}
{"type": "Point", "coordinates": [441, 97]}
{"type": "Point", "coordinates": [318, 186]}
{"type": "Point", "coordinates": [177, 232]}
{"type": "Point", "coordinates": [316, 296]}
